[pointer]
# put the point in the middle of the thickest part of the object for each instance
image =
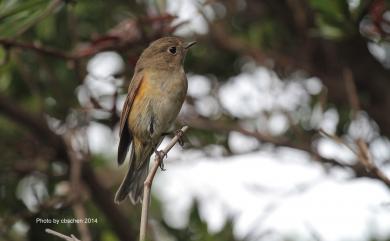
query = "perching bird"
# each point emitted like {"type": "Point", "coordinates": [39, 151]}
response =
{"type": "Point", "coordinates": [155, 96]}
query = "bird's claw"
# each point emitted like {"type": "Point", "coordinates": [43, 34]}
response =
{"type": "Point", "coordinates": [161, 155]}
{"type": "Point", "coordinates": [180, 134]}
{"type": "Point", "coordinates": [161, 165]}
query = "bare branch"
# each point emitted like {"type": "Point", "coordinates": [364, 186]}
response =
{"type": "Point", "coordinates": [364, 157]}
{"type": "Point", "coordinates": [9, 43]}
{"type": "Point", "coordinates": [149, 180]}
{"type": "Point", "coordinates": [60, 235]}
{"type": "Point", "coordinates": [76, 185]}
{"type": "Point", "coordinates": [219, 126]}
{"type": "Point", "coordinates": [352, 94]}
{"type": "Point", "coordinates": [338, 140]}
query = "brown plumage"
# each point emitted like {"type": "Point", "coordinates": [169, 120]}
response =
{"type": "Point", "coordinates": [155, 96]}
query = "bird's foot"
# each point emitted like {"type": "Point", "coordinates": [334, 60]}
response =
{"type": "Point", "coordinates": [180, 134]}
{"type": "Point", "coordinates": [161, 155]}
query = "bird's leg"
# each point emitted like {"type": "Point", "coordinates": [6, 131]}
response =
{"type": "Point", "coordinates": [160, 154]}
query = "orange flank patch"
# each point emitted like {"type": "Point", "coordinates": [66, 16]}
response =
{"type": "Point", "coordinates": [142, 91]}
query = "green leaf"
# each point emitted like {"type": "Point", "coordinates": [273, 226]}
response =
{"type": "Point", "coordinates": [13, 7]}
{"type": "Point", "coordinates": [17, 16]}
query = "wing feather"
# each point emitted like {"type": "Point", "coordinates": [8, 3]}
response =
{"type": "Point", "coordinates": [125, 134]}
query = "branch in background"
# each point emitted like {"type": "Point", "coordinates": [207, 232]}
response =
{"type": "Point", "coordinates": [223, 127]}
{"type": "Point", "coordinates": [60, 235]}
{"type": "Point", "coordinates": [338, 139]}
{"type": "Point", "coordinates": [76, 185]}
{"type": "Point", "coordinates": [149, 181]}
{"type": "Point", "coordinates": [125, 34]}
{"type": "Point", "coordinates": [217, 126]}
{"type": "Point", "coordinates": [352, 94]}
{"type": "Point", "coordinates": [111, 43]}
{"type": "Point", "coordinates": [364, 158]}
{"type": "Point", "coordinates": [101, 196]}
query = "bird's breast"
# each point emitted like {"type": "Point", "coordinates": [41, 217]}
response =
{"type": "Point", "coordinates": [158, 99]}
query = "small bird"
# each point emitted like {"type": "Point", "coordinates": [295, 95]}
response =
{"type": "Point", "coordinates": [155, 96]}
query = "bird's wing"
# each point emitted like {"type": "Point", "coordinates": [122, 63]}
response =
{"type": "Point", "coordinates": [124, 133]}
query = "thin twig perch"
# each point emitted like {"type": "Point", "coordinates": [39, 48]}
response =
{"type": "Point", "coordinates": [149, 180]}
{"type": "Point", "coordinates": [60, 235]}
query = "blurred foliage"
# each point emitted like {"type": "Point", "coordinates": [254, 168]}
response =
{"type": "Point", "coordinates": [333, 18]}
{"type": "Point", "coordinates": [45, 85]}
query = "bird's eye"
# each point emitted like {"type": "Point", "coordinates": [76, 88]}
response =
{"type": "Point", "coordinates": [172, 50]}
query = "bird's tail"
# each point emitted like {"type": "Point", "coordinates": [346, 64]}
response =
{"type": "Point", "coordinates": [133, 182]}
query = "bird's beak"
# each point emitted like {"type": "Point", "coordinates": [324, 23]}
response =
{"type": "Point", "coordinates": [188, 45]}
